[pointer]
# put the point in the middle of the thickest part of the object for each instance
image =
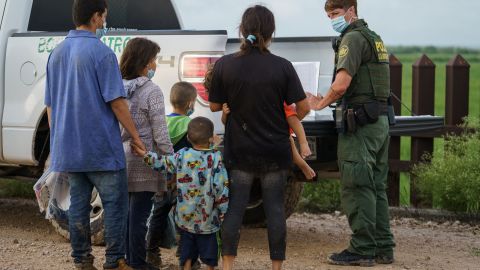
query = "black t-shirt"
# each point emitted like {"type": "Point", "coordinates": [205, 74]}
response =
{"type": "Point", "coordinates": [255, 87]}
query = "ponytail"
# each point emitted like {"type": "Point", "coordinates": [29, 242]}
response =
{"type": "Point", "coordinates": [257, 27]}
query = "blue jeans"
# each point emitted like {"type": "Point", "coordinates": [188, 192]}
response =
{"type": "Point", "coordinates": [112, 188]}
{"type": "Point", "coordinates": [140, 206]}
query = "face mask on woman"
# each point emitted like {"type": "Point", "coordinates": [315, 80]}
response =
{"type": "Point", "coordinates": [150, 73]}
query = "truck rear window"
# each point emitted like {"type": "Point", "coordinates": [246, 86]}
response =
{"type": "Point", "coordinates": [56, 15]}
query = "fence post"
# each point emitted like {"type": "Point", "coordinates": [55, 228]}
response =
{"type": "Point", "coordinates": [457, 90]}
{"type": "Point", "coordinates": [394, 148]}
{"type": "Point", "coordinates": [423, 101]}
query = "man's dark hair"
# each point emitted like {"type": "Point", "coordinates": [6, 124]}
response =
{"type": "Point", "coordinates": [83, 10]}
{"type": "Point", "coordinates": [136, 56]}
{"type": "Point", "coordinates": [181, 94]}
{"type": "Point", "coordinates": [260, 22]}
{"type": "Point", "coordinates": [343, 4]}
{"type": "Point", "coordinates": [200, 130]}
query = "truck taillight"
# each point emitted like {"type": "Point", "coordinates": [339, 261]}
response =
{"type": "Point", "coordinates": [193, 68]}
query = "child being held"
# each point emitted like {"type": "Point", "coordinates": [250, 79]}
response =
{"type": "Point", "coordinates": [296, 128]}
{"type": "Point", "coordinates": [202, 192]}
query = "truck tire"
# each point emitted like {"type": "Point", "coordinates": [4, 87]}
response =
{"type": "Point", "coordinates": [254, 214]}
{"type": "Point", "coordinates": [60, 220]}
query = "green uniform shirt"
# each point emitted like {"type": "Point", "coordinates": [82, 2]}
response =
{"type": "Point", "coordinates": [353, 51]}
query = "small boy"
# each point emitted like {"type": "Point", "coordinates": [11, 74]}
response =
{"type": "Point", "coordinates": [182, 97]}
{"type": "Point", "coordinates": [202, 193]}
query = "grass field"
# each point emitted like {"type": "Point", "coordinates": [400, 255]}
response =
{"type": "Point", "coordinates": [440, 60]}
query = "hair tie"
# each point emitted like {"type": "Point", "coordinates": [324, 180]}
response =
{"type": "Point", "coordinates": [251, 38]}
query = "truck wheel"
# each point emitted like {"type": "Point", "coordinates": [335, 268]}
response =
{"type": "Point", "coordinates": [60, 220]}
{"type": "Point", "coordinates": [255, 216]}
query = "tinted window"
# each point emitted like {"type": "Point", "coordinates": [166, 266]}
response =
{"type": "Point", "coordinates": [56, 15]}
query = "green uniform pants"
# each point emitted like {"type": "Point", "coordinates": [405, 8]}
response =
{"type": "Point", "coordinates": [363, 162]}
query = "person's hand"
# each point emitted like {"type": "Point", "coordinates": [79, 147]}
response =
{"type": "Point", "coordinates": [225, 108]}
{"type": "Point", "coordinates": [305, 150]}
{"type": "Point", "coordinates": [314, 101]}
{"type": "Point", "coordinates": [217, 140]}
{"type": "Point", "coordinates": [138, 147]}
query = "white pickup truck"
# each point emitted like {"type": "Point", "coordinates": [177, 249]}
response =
{"type": "Point", "coordinates": [30, 30]}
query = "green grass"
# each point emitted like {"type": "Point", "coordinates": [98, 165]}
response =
{"type": "Point", "coordinates": [11, 188]}
{"type": "Point", "coordinates": [440, 60]}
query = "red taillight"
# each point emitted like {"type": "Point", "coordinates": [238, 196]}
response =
{"type": "Point", "coordinates": [193, 68]}
{"type": "Point", "coordinates": [201, 91]}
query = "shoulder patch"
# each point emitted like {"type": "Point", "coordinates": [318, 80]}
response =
{"type": "Point", "coordinates": [343, 51]}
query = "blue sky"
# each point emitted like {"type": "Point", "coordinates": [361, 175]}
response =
{"type": "Point", "coordinates": [399, 22]}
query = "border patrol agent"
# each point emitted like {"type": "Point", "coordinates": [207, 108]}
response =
{"type": "Point", "coordinates": [361, 88]}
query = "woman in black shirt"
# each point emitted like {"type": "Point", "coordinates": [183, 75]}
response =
{"type": "Point", "coordinates": [255, 84]}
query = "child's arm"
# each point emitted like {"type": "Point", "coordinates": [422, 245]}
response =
{"type": "Point", "coordinates": [220, 181]}
{"type": "Point", "coordinates": [225, 112]}
{"type": "Point", "coordinates": [297, 128]}
{"type": "Point", "coordinates": [151, 159]}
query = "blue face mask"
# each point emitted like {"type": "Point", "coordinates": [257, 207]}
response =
{"type": "Point", "coordinates": [102, 31]}
{"type": "Point", "coordinates": [150, 73]}
{"type": "Point", "coordinates": [190, 111]}
{"type": "Point", "coordinates": [339, 24]}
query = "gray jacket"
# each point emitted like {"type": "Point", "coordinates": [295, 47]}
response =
{"type": "Point", "coordinates": [147, 107]}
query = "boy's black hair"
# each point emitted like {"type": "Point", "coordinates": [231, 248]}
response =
{"type": "Point", "coordinates": [200, 130]}
{"type": "Point", "coordinates": [83, 10]}
{"type": "Point", "coordinates": [181, 94]}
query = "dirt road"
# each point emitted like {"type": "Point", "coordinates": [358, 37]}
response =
{"type": "Point", "coordinates": [27, 241]}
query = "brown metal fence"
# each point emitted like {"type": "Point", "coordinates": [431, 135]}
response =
{"type": "Point", "coordinates": [423, 101]}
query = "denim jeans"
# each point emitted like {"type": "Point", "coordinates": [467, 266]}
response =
{"type": "Point", "coordinates": [273, 194]}
{"type": "Point", "coordinates": [140, 206]}
{"type": "Point", "coordinates": [112, 188]}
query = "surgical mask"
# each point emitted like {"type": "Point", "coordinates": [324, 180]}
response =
{"type": "Point", "coordinates": [190, 111]}
{"type": "Point", "coordinates": [102, 31]}
{"type": "Point", "coordinates": [339, 24]}
{"type": "Point", "coordinates": [150, 73]}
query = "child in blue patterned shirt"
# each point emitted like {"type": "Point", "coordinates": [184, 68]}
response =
{"type": "Point", "coordinates": [202, 193]}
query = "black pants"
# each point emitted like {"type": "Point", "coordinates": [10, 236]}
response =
{"type": "Point", "coordinates": [156, 237]}
{"type": "Point", "coordinates": [273, 194]}
{"type": "Point", "coordinates": [140, 206]}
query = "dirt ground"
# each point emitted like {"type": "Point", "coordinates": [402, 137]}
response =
{"type": "Point", "coordinates": [27, 241]}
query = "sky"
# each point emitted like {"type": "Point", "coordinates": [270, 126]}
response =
{"type": "Point", "coordinates": [399, 22]}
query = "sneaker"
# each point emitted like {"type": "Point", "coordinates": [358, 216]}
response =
{"type": "Point", "coordinates": [154, 258]}
{"type": "Point", "coordinates": [384, 259]}
{"type": "Point", "coordinates": [350, 259]}
{"type": "Point", "coordinates": [122, 265]}
{"type": "Point", "coordinates": [85, 266]}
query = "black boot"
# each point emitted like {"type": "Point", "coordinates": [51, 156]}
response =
{"type": "Point", "coordinates": [350, 259]}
